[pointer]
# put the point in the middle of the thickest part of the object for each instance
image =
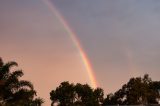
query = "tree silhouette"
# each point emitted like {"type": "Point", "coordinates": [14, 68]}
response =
{"type": "Point", "coordinates": [76, 95]}
{"type": "Point", "coordinates": [13, 91]}
{"type": "Point", "coordinates": [16, 92]}
{"type": "Point", "coordinates": [64, 94]}
{"type": "Point", "coordinates": [137, 91]}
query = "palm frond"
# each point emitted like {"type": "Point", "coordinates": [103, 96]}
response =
{"type": "Point", "coordinates": [17, 74]}
{"type": "Point", "coordinates": [6, 67]}
{"type": "Point", "coordinates": [24, 83]}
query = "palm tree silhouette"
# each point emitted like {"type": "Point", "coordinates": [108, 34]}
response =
{"type": "Point", "coordinates": [13, 91]}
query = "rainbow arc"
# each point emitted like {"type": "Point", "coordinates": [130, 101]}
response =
{"type": "Point", "coordinates": [75, 40]}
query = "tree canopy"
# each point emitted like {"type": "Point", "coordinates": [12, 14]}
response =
{"type": "Point", "coordinates": [76, 95]}
{"type": "Point", "coordinates": [137, 91]}
{"type": "Point", "coordinates": [13, 91]}
{"type": "Point", "coordinates": [17, 92]}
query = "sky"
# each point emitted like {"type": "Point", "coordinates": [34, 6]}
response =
{"type": "Point", "coordinates": [120, 37]}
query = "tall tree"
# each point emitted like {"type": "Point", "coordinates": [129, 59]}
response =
{"type": "Point", "coordinates": [76, 95]}
{"type": "Point", "coordinates": [137, 91]}
{"type": "Point", "coordinates": [64, 94]}
{"type": "Point", "coordinates": [13, 91]}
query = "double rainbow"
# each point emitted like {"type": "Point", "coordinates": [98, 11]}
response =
{"type": "Point", "coordinates": [75, 40]}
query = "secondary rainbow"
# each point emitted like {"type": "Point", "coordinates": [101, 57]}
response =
{"type": "Point", "coordinates": [72, 34]}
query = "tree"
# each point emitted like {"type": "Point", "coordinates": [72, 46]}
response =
{"type": "Point", "coordinates": [137, 91]}
{"type": "Point", "coordinates": [64, 94]}
{"type": "Point", "coordinates": [76, 95]}
{"type": "Point", "coordinates": [13, 91]}
{"type": "Point", "coordinates": [155, 96]}
{"type": "Point", "coordinates": [36, 102]}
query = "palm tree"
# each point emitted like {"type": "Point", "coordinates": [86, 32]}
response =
{"type": "Point", "coordinates": [13, 91]}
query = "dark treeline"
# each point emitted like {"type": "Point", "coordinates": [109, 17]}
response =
{"type": "Point", "coordinates": [138, 91]}
{"type": "Point", "coordinates": [76, 95]}
{"type": "Point", "coordinates": [16, 92]}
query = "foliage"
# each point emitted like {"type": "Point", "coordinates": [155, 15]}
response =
{"type": "Point", "coordinates": [16, 92]}
{"type": "Point", "coordinates": [137, 91]}
{"type": "Point", "coordinates": [13, 91]}
{"type": "Point", "coordinates": [76, 95]}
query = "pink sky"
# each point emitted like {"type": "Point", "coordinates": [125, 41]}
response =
{"type": "Point", "coordinates": [121, 40]}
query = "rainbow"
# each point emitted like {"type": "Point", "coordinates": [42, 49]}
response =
{"type": "Point", "coordinates": [75, 40]}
